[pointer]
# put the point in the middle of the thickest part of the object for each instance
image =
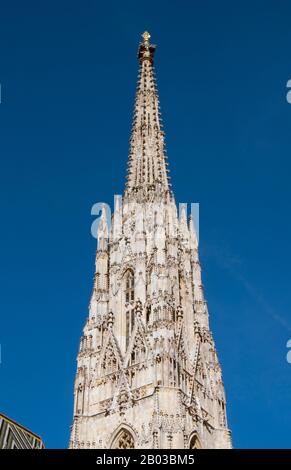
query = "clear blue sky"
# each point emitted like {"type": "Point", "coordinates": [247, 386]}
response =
{"type": "Point", "coordinates": [68, 71]}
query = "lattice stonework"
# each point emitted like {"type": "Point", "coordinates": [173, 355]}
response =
{"type": "Point", "coordinates": [124, 440]}
{"type": "Point", "coordinates": [148, 365]}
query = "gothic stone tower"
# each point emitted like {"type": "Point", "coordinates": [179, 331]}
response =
{"type": "Point", "coordinates": [148, 375]}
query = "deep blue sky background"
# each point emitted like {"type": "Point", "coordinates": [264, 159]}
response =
{"type": "Point", "coordinates": [68, 71]}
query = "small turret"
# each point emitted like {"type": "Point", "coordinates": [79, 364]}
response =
{"type": "Point", "coordinates": [102, 233]}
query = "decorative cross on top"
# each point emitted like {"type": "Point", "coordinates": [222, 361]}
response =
{"type": "Point", "coordinates": [146, 37]}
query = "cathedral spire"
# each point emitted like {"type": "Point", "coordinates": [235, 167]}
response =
{"type": "Point", "coordinates": [148, 376]}
{"type": "Point", "coordinates": [147, 167]}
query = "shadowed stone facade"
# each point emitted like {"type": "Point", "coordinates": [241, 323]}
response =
{"type": "Point", "coordinates": [148, 375]}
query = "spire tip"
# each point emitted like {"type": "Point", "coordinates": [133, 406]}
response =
{"type": "Point", "coordinates": [146, 37]}
{"type": "Point", "coordinates": [146, 49]}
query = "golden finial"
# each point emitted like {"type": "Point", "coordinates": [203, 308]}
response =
{"type": "Point", "coordinates": [146, 37]}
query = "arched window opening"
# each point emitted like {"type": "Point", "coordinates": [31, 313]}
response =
{"type": "Point", "coordinates": [129, 297]}
{"type": "Point", "coordinates": [129, 287]}
{"type": "Point", "coordinates": [123, 440]}
{"type": "Point", "coordinates": [194, 442]}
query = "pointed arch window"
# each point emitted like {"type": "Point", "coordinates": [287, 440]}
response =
{"type": "Point", "coordinates": [129, 297]}
{"type": "Point", "coordinates": [123, 440]}
{"type": "Point", "coordinates": [194, 442]}
{"type": "Point", "coordinates": [129, 287]}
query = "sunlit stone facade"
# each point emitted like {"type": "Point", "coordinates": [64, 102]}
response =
{"type": "Point", "coordinates": [148, 375]}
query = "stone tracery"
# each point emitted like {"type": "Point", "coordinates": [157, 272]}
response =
{"type": "Point", "coordinates": [124, 440]}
